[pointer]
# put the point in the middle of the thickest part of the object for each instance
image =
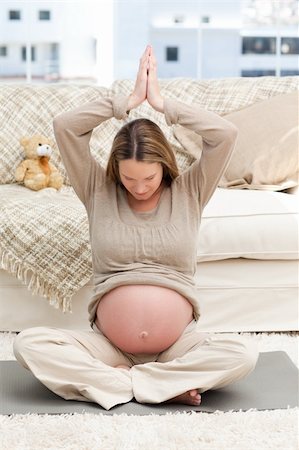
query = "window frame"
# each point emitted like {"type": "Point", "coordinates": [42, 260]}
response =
{"type": "Point", "coordinates": [44, 19]}
{"type": "Point", "coordinates": [19, 15]}
{"type": "Point", "coordinates": [296, 45]}
{"type": "Point", "coordinates": [169, 49]}
{"type": "Point", "coordinates": [32, 53]}
{"type": "Point", "coordinates": [5, 53]}
{"type": "Point", "coordinates": [250, 48]}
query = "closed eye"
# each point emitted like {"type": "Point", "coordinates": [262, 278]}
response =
{"type": "Point", "coordinates": [148, 178]}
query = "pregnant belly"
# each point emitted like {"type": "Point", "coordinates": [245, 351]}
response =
{"type": "Point", "coordinates": [143, 318]}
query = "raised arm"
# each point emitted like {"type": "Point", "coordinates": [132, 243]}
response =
{"type": "Point", "coordinates": [73, 130]}
{"type": "Point", "coordinates": [218, 136]}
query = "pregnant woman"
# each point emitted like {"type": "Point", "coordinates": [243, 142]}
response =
{"type": "Point", "coordinates": [144, 217]}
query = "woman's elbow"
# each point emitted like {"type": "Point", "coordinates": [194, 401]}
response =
{"type": "Point", "coordinates": [58, 123]}
{"type": "Point", "coordinates": [232, 132]}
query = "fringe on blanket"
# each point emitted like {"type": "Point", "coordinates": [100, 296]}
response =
{"type": "Point", "coordinates": [34, 282]}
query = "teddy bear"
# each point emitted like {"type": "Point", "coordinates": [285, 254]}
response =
{"type": "Point", "coordinates": [36, 172]}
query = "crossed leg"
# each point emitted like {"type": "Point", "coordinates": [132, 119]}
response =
{"type": "Point", "coordinates": [193, 365]}
{"type": "Point", "coordinates": [76, 365]}
{"type": "Point", "coordinates": [188, 398]}
{"type": "Point", "coordinates": [85, 366]}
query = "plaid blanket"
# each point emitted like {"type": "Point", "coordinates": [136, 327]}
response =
{"type": "Point", "coordinates": [44, 238]}
{"type": "Point", "coordinates": [45, 241]}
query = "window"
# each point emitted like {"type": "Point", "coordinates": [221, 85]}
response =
{"type": "Point", "coordinates": [290, 46]}
{"type": "Point", "coordinates": [261, 45]}
{"type": "Point", "coordinates": [205, 19]}
{"type": "Point", "coordinates": [33, 56]}
{"type": "Point", "coordinates": [178, 19]}
{"type": "Point", "coordinates": [172, 54]}
{"type": "Point", "coordinates": [3, 51]}
{"type": "Point", "coordinates": [257, 73]}
{"type": "Point", "coordinates": [44, 15]}
{"type": "Point", "coordinates": [54, 51]}
{"type": "Point", "coordinates": [14, 15]}
{"type": "Point", "coordinates": [289, 72]}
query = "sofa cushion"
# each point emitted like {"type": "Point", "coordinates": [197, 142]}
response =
{"type": "Point", "coordinates": [249, 224]}
{"type": "Point", "coordinates": [266, 151]}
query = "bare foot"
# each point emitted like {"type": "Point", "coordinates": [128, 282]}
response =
{"type": "Point", "coordinates": [188, 398]}
{"type": "Point", "coordinates": [123, 366]}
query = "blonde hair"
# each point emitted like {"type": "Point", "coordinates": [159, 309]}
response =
{"type": "Point", "coordinates": [142, 140]}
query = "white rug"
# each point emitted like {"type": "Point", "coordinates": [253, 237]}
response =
{"type": "Point", "coordinates": [251, 430]}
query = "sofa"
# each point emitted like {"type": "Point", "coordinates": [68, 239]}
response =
{"type": "Point", "coordinates": [247, 254]}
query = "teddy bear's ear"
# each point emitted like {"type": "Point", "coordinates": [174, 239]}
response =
{"type": "Point", "coordinates": [24, 141]}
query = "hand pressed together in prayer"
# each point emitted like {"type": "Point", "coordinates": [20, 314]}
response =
{"type": "Point", "coordinates": [147, 85]}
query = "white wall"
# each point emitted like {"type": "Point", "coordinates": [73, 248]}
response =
{"type": "Point", "coordinates": [220, 53]}
{"type": "Point", "coordinates": [186, 41]}
{"type": "Point", "coordinates": [141, 22]}
{"type": "Point", "coordinates": [73, 26]}
{"type": "Point", "coordinates": [222, 12]}
{"type": "Point", "coordinates": [104, 39]}
{"type": "Point", "coordinates": [138, 23]}
{"type": "Point", "coordinates": [131, 33]}
{"type": "Point", "coordinates": [105, 36]}
{"type": "Point", "coordinates": [77, 45]}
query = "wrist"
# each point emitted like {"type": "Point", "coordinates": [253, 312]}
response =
{"type": "Point", "coordinates": [159, 106]}
{"type": "Point", "coordinates": [131, 103]}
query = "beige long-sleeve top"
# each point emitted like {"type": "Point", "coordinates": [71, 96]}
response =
{"type": "Point", "coordinates": [157, 247]}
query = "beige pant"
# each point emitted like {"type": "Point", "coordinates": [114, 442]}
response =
{"type": "Point", "coordinates": [80, 365]}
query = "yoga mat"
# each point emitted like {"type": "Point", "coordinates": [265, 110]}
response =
{"type": "Point", "coordinates": [272, 385]}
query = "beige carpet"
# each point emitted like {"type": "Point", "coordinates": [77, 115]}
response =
{"type": "Point", "coordinates": [251, 430]}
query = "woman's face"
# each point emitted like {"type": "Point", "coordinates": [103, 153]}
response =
{"type": "Point", "coordinates": [141, 179]}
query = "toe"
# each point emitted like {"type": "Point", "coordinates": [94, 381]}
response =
{"type": "Point", "coordinates": [195, 396]}
{"type": "Point", "coordinates": [193, 393]}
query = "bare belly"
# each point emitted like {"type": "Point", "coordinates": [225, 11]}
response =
{"type": "Point", "coordinates": [143, 318]}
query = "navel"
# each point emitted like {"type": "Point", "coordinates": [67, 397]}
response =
{"type": "Point", "coordinates": [143, 334]}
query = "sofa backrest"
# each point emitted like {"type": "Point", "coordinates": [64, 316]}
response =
{"type": "Point", "coordinates": [30, 109]}
{"type": "Point", "coordinates": [222, 95]}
